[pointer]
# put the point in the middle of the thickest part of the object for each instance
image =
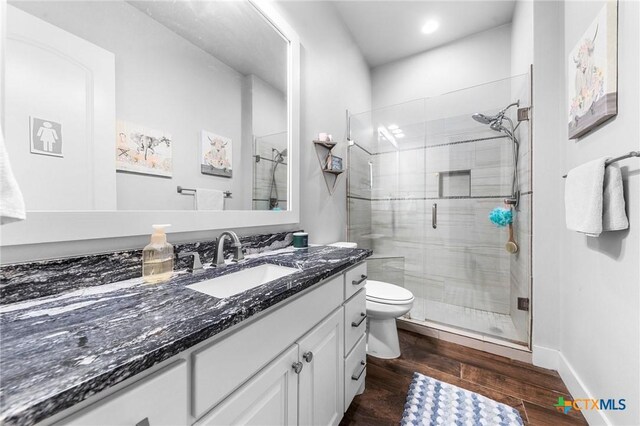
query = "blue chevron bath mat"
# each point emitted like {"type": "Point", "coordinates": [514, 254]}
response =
{"type": "Point", "coordinates": [431, 402]}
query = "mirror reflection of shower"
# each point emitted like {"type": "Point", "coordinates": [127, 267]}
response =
{"type": "Point", "coordinates": [270, 153]}
{"type": "Point", "coordinates": [495, 122]}
{"type": "Point", "coordinates": [278, 158]}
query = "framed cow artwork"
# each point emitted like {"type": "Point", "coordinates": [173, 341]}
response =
{"type": "Point", "coordinates": [215, 157]}
{"type": "Point", "coordinates": [592, 74]}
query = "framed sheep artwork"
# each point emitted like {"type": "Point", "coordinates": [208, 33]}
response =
{"type": "Point", "coordinates": [140, 149]}
{"type": "Point", "coordinates": [592, 74]}
{"type": "Point", "coordinates": [216, 155]}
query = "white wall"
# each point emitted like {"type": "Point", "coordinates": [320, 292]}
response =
{"type": "Point", "coordinates": [334, 78]}
{"type": "Point", "coordinates": [548, 167]}
{"type": "Point", "coordinates": [600, 336]}
{"type": "Point", "coordinates": [587, 290]}
{"type": "Point", "coordinates": [474, 60]}
{"type": "Point", "coordinates": [162, 82]}
{"type": "Point", "coordinates": [522, 37]}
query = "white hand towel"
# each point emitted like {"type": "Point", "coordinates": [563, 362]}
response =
{"type": "Point", "coordinates": [614, 217]}
{"type": "Point", "coordinates": [11, 201]}
{"type": "Point", "coordinates": [209, 199]}
{"type": "Point", "coordinates": [583, 197]}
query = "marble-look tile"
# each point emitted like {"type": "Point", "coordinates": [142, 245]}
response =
{"type": "Point", "coordinates": [100, 335]}
{"type": "Point", "coordinates": [386, 269]}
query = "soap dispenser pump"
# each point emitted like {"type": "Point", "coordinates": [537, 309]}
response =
{"type": "Point", "coordinates": [157, 257]}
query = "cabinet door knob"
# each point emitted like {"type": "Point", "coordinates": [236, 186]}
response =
{"type": "Point", "coordinates": [358, 282]}
{"type": "Point", "coordinates": [297, 367]}
{"type": "Point", "coordinates": [363, 317]}
{"type": "Point", "coordinates": [143, 422]}
{"type": "Point", "coordinates": [308, 356]}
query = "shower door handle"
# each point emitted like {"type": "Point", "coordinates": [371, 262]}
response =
{"type": "Point", "coordinates": [370, 175]}
{"type": "Point", "coordinates": [434, 215]}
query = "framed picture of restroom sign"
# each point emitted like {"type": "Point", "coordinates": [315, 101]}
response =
{"type": "Point", "coordinates": [593, 75]}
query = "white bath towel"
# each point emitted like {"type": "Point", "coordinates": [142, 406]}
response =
{"type": "Point", "coordinates": [614, 216]}
{"type": "Point", "coordinates": [583, 195]}
{"type": "Point", "coordinates": [11, 201]}
{"type": "Point", "coordinates": [209, 199]}
{"type": "Point", "coordinates": [594, 199]}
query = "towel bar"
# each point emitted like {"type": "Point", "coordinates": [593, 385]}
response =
{"type": "Point", "coordinates": [192, 191]}
{"type": "Point", "coordinates": [622, 157]}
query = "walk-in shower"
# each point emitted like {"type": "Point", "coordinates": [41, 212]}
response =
{"type": "Point", "coordinates": [270, 172]}
{"type": "Point", "coordinates": [423, 177]}
{"type": "Point", "coordinates": [277, 158]}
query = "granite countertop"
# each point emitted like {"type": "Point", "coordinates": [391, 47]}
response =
{"type": "Point", "coordinates": [60, 349]}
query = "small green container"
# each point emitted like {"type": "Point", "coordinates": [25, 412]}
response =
{"type": "Point", "coordinates": [300, 239]}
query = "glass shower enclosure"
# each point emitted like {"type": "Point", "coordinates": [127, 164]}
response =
{"type": "Point", "coordinates": [423, 177]}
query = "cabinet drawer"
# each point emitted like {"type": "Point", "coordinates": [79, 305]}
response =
{"type": "Point", "coordinates": [355, 371]}
{"type": "Point", "coordinates": [354, 280]}
{"type": "Point", "coordinates": [355, 320]}
{"type": "Point", "coordinates": [160, 398]}
{"type": "Point", "coordinates": [223, 366]}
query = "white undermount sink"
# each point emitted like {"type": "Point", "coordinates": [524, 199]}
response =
{"type": "Point", "coordinates": [231, 284]}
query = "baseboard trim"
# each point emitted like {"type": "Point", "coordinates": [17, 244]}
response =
{"type": "Point", "coordinates": [555, 360]}
{"type": "Point", "coordinates": [578, 390]}
{"type": "Point", "coordinates": [545, 357]}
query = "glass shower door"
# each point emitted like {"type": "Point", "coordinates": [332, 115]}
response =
{"type": "Point", "coordinates": [423, 177]}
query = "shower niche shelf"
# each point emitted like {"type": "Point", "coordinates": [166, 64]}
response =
{"type": "Point", "coordinates": [323, 152]}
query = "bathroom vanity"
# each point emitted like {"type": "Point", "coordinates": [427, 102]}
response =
{"type": "Point", "coordinates": [291, 351]}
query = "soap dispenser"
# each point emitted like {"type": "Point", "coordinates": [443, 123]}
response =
{"type": "Point", "coordinates": [157, 257]}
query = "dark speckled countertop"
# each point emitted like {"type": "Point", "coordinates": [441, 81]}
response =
{"type": "Point", "coordinates": [60, 349]}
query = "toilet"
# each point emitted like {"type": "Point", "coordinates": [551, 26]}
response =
{"type": "Point", "coordinates": [385, 303]}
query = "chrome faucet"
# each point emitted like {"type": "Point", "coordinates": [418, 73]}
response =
{"type": "Point", "coordinates": [237, 245]}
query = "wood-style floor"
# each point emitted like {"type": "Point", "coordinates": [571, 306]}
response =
{"type": "Point", "coordinates": [531, 390]}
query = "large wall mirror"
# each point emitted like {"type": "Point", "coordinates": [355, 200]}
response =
{"type": "Point", "coordinates": [148, 110]}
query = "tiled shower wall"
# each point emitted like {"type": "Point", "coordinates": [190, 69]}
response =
{"type": "Point", "coordinates": [462, 261]}
{"type": "Point", "coordinates": [263, 169]}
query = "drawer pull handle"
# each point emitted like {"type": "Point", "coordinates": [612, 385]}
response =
{"type": "Point", "coordinates": [308, 356]}
{"type": "Point", "coordinates": [297, 367]}
{"type": "Point", "coordinates": [363, 317]}
{"type": "Point", "coordinates": [364, 367]}
{"type": "Point", "coordinates": [358, 282]}
{"type": "Point", "coordinates": [143, 422]}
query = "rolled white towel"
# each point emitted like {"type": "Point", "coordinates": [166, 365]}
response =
{"type": "Point", "coordinates": [11, 202]}
{"type": "Point", "coordinates": [614, 216]}
{"type": "Point", "coordinates": [583, 197]}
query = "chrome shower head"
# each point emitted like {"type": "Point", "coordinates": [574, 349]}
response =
{"type": "Point", "coordinates": [481, 118]}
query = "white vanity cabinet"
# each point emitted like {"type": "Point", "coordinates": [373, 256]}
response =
{"type": "Point", "coordinates": [301, 362]}
{"type": "Point", "coordinates": [269, 398]}
{"type": "Point", "coordinates": [158, 399]}
{"type": "Point", "coordinates": [355, 323]}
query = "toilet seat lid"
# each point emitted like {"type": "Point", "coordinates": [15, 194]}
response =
{"type": "Point", "coordinates": [381, 292]}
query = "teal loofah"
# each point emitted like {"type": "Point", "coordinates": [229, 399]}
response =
{"type": "Point", "coordinates": [501, 216]}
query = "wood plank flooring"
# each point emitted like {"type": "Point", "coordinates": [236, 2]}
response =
{"type": "Point", "coordinates": [529, 389]}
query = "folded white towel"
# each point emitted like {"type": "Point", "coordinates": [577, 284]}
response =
{"type": "Point", "coordinates": [209, 199]}
{"type": "Point", "coordinates": [614, 216]}
{"type": "Point", "coordinates": [594, 199]}
{"type": "Point", "coordinates": [583, 196]}
{"type": "Point", "coordinates": [11, 201]}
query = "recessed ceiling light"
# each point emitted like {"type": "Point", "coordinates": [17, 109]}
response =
{"type": "Point", "coordinates": [430, 26]}
{"type": "Point", "coordinates": [399, 135]}
{"type": "Point", "coordinates": [394, 131]}
{"type": "Point", "coordinates": [392, 126]}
